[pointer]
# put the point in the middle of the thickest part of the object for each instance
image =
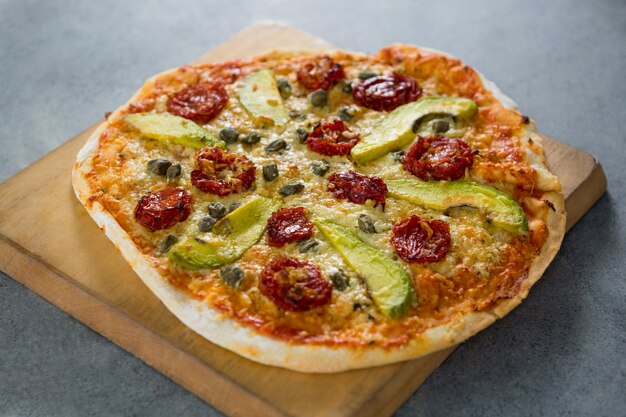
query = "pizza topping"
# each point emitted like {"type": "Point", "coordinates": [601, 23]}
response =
{"type": "Point", "coordinates": [386, 92]}
{"type": "Point", "coordinates": [163, 209]}
{"type": "Point", "coordinates": [288, 225]}
{"type": "Point", "coordinates": [158, 166]}
{"type": "Point", "coordinates": [320, 168]}
{"type": "Point", "coordinates": [365, 74]}
{"type": "Point", "coordinates": [173, 172]}
{"type": "Point", "coordinates": [320, 73]}
{"type": "Point", "coordinates": [167, 127]}
{"type": "Point", "coordinates": [229, 135]}
{"type": "Point", "coordinates": [346, 86]}
{"type": "Point", "coordinates": [397, 156]}
{"type": "Point", "coordinates": [366, 224]}
{"type": "Point", "coordinates": [216, 210]}
{"type": "Point", "coordinates": [340, 280]}
{"type": "Point", "coordinates": [438, 158]}
{"type": "Point", "coordinates": [396, 129]}
{"type": "Point", "coordinates": [276, 145]}
{"type": "Point", "coordinates": [417, 240]}
{"type": "Point", "coordinates": [206, 224]}
{"type": "Point", "coordinates": [332, 138]}
{"type": "Point", "coordinates": [284, 88]}
{"type": "Point", "coordinates": [261, 97]}
{"type": "Point", "coordinates": [344, 114]}
{"type": "Point", "coordinates": [302, 134]}
{"type": "Point", "coordinates": [167, 243]}
{"type": "Point", "coordinates": [294, 285]}
{"type": "Point", "coordinates": [307, 245]}
{"type": "Point", "coordinates": [251, 138]}
{"type": "Point", "coordinates": [291, 189]}
{"type": "Point", "coordinates": [222, 173]}
{"type": "Point", "coordinates": [318, 98]}
{"type": "Point", "coordinates": [231, 275]}
{"type": "Point", "coordinates": [270, 172]}
{"type": "Point", "coordinates": [200, 102]}
{"type": "Point", "coordinates": [357, 188]}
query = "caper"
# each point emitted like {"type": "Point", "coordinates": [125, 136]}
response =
{"type": "Point", "coordinates": [159, 166]}
{"type": "Point", "coordinates": [284, 88]}
{"type": "Point", "coordinates": [216, 210]}
{"type": "Point", "coordinates": [276, 145]}
{"type": "Point", "coordinates": [167, 243]}
{"type": "Point", "coordinates": [234, 206]}
{"type": "Point", "coordinates": [173, 172]}
{"type": "Point", "coordinates": [440, 126]}
{"type": "Point", "coordinates": [302, 134]}
{"type": "Point", "coordinates": [397, 155]}
{"type": "Point", "coordinates": [318, 98]}
{"type": "Point", "coordinates": [206, 223]}
{"type": "Point", "coordinates": [295, 114]}
{"type": "Point", "coordinates": [306, 245]}
{"type": "Point", "coordinates": [251, 138]}
{"type": "Point", "coordinates": [291, 189]}
{"type": "Point", "coordinates": [344, 114]}
{"type": "Point", "coordinates": [320, 167]}
{"type": "Point", "coordinates": [229, 135]}
{"type": "Point", "coordinates": [346, 87]}
{"type": "Point", "coordinates": [232, 275]}
{"type": "Point", "coordinates": [365, 74]}
{"type": "Point", "coordinates": [340, 280]}
{"type": "Point", "coordinates": [270, 172]}
{"type": "Point", "coordinates": [366, 224]}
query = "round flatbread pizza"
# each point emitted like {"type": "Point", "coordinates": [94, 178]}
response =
{"type": "Point", "coordinates": [326, 211]}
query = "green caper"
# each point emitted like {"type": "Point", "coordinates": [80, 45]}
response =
{"type": "Point", "coordinates": [307, 245]}
{"type": "Point", "coordinates": [295, 114]}
{"type": "Point", "coordinates": [284, 88]}
{"type": "Point", "coordinates": [340, 280]}
{"type": "Point", "coordinates": [397, 155]}
{"type": "Point", "coordinates": [291, 189]}
{"type": "Point", "coordinates": [173, 172]}
{"type": "Point", "coordinates": [302, 134]}
{"type": "Point", "coordinates": [232, 275]}
{"type": "Point", "coordinates": [234, 206]}
{"type": "Point", "coordinates": [365, 74]}
{"type": "Point", "coordinates": [276, 145]}
{"type": "Point", "coordinates": [318, 98]}
{"type": "Point", "coordinates": [167, 243]}
{"type": "Point", "coordinates": [440, 126]}
{"type": "Point", "coordinates": [270, 172]}
{"type": "Point", "coordinates": [229, 135]}
{"type": "Point", "coordinates": [159, 166]}
{"type": "Point", "coordinates": [346, 87]}
{"type": "Point", "coordinates": [366, 224]}
{"type": "Point", "coordinates": [206, 223]}
{"type": "Point", "coordinates": [320, 167]}
{"type": "Point", "coordinates": [251, 138]}
{"type": "Point", "coordinates": [344, 114]}
{"type": "Point", "coordinates": [216, 210]}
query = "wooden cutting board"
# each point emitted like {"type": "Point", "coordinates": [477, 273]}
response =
{"type": "Point", "coordinates": [50, 244]}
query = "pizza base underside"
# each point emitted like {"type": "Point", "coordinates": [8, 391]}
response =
{"type": "Point", "coordinates": [230, 334]}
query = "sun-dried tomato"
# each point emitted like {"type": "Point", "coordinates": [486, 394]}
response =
{"type": "Point", "coordinates": [288, 225]}
{"type": "Point", "coordinates": [294, 285]}
{"type": "Point", "coordinates": [200, 102]}
{"type": "Point", "coordinates": [163, 209]}
{"type": "Point", "coordinates": [438, 158]}
{"type": "Point", "coordinates": [386, 92]}
{"type": "Point", "coordinates": [417, 240]}
{"type": "Point", "coordinates": [222, 173]}
{"type": "Point", "coordinates": [357, 188]}
{"type": "Point", "coordinates": [332, 138]}
{"type": "Point", "coordinates": [320, 73]}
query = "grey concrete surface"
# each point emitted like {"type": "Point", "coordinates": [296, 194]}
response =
{"type": "Point", "coordinates": [563, 352]}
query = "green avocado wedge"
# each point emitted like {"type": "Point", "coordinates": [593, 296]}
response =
{"type": "Point", "coordinates": [259, 94]}
{"type": "Point", "coordinates": [236, 233]}
{"type": "Point", "coordinates": [396, 129]}
{"type": "Point", "coordinates": [166, 127]}
{"type": "Point", "coordinates": [389, 284]}
{"type": "Point", "coordinates": [504, 212]}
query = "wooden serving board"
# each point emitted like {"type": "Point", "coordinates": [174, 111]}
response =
{"type": "Point", "coordinates": [49, 243]}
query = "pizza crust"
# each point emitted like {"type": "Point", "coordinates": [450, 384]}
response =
{"type": "Point", "coordinates": [229, 334]}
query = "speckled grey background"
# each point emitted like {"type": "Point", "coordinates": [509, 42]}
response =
{"type": "Point", "coordinates": [563, 352]}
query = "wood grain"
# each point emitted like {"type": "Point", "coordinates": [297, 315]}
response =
{"type": "Point", "coordinates": [50, 244]}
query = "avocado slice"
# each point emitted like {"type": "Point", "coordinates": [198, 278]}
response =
{"type": "Point", "coordinates": [396, 129]}
{"type": "Point", "coordinates": [259, 94]}
{"type": "Point", "coordinates": [389, 283]}
{"type": "Point", "coordinates": [503, 211]}
{"type": "Point", "coordinates": [237, 232]}
{"type": "Point", "coordinates": [167, 127]}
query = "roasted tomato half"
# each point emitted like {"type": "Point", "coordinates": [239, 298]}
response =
{"type": "Point", "coordinates": [222, 173]}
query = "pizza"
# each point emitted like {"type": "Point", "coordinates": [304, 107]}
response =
{"type": "Point", "coordinates": [326, 211]}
